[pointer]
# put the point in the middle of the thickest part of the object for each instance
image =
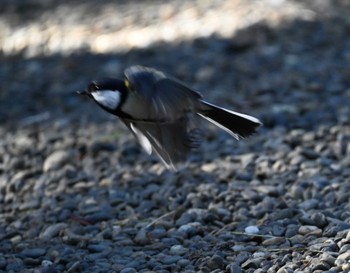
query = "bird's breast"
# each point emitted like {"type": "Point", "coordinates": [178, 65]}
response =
{"type": "Point", "coordinates": [137, 107]}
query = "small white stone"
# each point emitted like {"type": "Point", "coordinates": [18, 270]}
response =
{"type": "Point", "coordinates": [56, 160]}
{"type": "Point", "coordinates": [178, 250]}
{"type": "Point", "coordinates": [252, 230]}
{"type": "Point", "coordinates": [46, 263]}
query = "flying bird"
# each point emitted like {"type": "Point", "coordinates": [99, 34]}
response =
{"type": "Point", "coordinates": [161, 112]}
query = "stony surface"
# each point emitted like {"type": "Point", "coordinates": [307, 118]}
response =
{"type": "Point", "coordinates": [77, 194]}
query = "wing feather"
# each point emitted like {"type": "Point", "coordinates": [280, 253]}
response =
{"type": "Point", "coordinates": [171, 141]}
{"type": "Point", "coordinates": [165, 98]}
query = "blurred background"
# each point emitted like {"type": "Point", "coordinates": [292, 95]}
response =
{"type": "Point", "coordinates": [267, 57]}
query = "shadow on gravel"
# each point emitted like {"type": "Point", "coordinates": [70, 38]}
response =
{"type": "Point", "coordinates": [22, 12]}
{"type": "Point", "coordinates": [295, 76]}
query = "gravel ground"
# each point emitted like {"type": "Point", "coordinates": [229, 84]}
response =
{"type": "Point", "coordinates": [78, 194]}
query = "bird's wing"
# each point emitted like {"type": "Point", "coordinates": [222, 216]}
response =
{"type": "Point", "coordinates": [165, 98]}
{"type": "Point", "coordinates": [171, 141]}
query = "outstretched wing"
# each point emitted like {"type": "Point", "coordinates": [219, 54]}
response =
{"type": "Point", "coordinates": [166, 99]}
{"type": "Point", "coordinates": [171, 141]}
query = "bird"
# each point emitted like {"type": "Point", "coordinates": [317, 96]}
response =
{"type": "Point", "coordinates": [162, 112]}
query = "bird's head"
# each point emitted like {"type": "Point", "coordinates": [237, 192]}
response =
{"type": "Point", "coordinates": [108, 93]}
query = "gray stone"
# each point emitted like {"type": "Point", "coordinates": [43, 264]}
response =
{"type": "Point", "coordinates": [141, 237]}
{"type": "Point", "coordinates": [323, 266]}
{"type": "Point", "coordinates": [185, 219]}
{"type": "Point", "coordinates": [33, 252]}
{"type": "Point", "coordinates": [183, 262]}
{"type": "Point", "coordinates": [53, 230]}
{"type": "Point", "coordinates": [128, 270]}
{"type": "Point", "coordinates": [285, 269]}
{"type": "Point", "coordinates": [273, 241]}
{"type": "Point", "coordinates": [98, 247]}
{"type": "Point", "coordinates": [190, 229]}
{"type": "Point", "coordinates": [14, 265]}
{"type": "Point", "coordinates": [57, 160]}
{"type": "Point", "coordinates": [216, 262]}
{"type": "Point", "coordinates": [157, 233]}
{"type": "Point", "coordinates": [319, 219]}
{"type": "Point", "coordinates": [252, 263]}
{"type": "Point", "coordinates": [310, 230]}
{"type": "Point", "coordinates": [167, 259]}
{"type": "Point", "coordinates": [233, 268]}
{"type": "Point", "coordinates": [178, 250]}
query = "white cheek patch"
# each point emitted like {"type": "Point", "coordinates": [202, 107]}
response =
{"type": "Point", "coordinates": [107, 98]}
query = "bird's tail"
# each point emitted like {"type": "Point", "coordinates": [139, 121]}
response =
{"type": "Point", "coordinates": [237, 124]}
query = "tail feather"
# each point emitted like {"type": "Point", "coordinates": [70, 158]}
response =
{"type": "Point", "coordinates": [237, 124]}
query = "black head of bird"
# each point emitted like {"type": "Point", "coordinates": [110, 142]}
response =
{"type": "Point", "coordinates": [159, 110]}
{"type": "Point", "coordinates": [108, 93]}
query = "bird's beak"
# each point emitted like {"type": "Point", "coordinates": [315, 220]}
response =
{"type": "Point", "coordinates": [83, 92]}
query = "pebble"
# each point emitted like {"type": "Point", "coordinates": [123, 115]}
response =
{"type": "Point", "coordinates": [328, 258]}
{"type": "Point", "coordinates": [158, 233]}
{"type": "Point", "coordinates": [216, 262]}
{"type": "Point", "coordinates": [320, 266]}
{"type": "Point", "coordinates": [98, 217]}
{"type": "Point", "coordinates": [14, 265]}
{"type": "Point", "coordinates": [128, 270]}
{"type": "Point", "coordinates": [342, 258]}
{"type": "Point", "coordinates": [53, 230]}
{"type": "Point", "coordinates": [347, 237]}
{"type": "Point", "coordinates": [319, 219]}
{"type": "Point", "coordinates": [285, 270]}
{"type": "Point", "coordinates": [291, 231]}
{"type": "Point", "coordinates": [233, 268]}
{"type": "Point", "coordinates": [98, 247]}
{"type": "Point", "coordinates": [332, 229]}
{"type": "Point", "coordinates": [56, 160]}
{"type": "Point", "coordinates": [344, 248]}
{"type": "Point", "coordinates": [309, 229]}
{"type": "Point", "coordinates": [183, 262]}
{"type": "Point", "coordinates": [251, 230]}
{"type": "Point", "coordinates": [252, 263]}
{"type": "Point", "coordinates": [167, 259]}
{"type": "Point", "coordinates": [185, 219]}
{"type": "Point", "coordinates": [190, 229]}
{"type": "Point", "coordinates": [141, 237]}
{"type": "Point", "coordinates": [278, 230]}
{"type": "Point", "coordinates": [46, 263]}
{"type": "Point", "coordinates": [178, 250]}
{"type": "Point", "coordinates": [33, 252]}
{"type": "Point", "coordinates": [273, 241]}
